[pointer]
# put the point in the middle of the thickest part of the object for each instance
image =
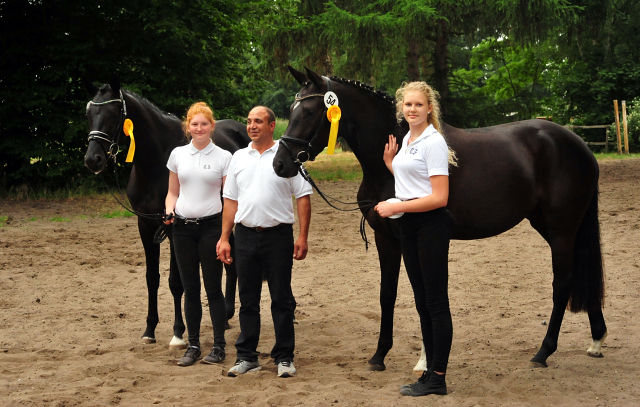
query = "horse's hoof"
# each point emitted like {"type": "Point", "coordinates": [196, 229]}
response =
{"type": "Point", "coordinates": [535, 364]}
{"type": "Point", "coordinates": [177, 343]}
{"type": "Point", "coordinates": [148, 339]}
{"type": "Point", "coordinates": [595, 350]}
{"type": "Point", "coordinates": [373, 367]}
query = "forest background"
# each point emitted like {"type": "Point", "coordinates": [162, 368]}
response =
{"type": "Point", "coordinates": [492, 61]}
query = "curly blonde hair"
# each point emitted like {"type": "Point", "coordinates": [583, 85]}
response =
{"type": "Point", "coordinates": [197, 108]}
{"type": "Point", "coordinates": [434, 115]}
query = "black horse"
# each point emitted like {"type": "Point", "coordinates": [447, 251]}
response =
{"type": "Point", "coordinates": [533, 169]}
{"type": "Point", "coordinates": [156, 134]}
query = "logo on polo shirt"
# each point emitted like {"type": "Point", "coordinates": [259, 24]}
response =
{"type": "Point", "coordinates": [413, 151]}
{"type": "Point", "coordinates": [207, 166]}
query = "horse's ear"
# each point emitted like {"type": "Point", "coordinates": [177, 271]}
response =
{"type": "Point", "coordinates": [301, 78]}
{"type": "Point", "coordinates": [314, 77]}
{"type": "Point", "coordinates": [89, 86]}
{"type": "Point", "coordinates": [115, 83]}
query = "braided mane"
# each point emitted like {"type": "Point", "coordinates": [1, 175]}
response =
{"type": "Point", "coordinates": [381, 94]}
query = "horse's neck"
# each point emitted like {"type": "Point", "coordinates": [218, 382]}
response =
{"type": "Point", "coordinates": [155, 134]}
{"type": "Point", "coordinates": [369, 133]}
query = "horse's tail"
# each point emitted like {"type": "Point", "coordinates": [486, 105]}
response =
{"type": "Point", "coordinates": [587, 279]}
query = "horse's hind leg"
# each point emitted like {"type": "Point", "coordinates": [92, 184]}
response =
{"type": "Point", "coordinates": [598, 333]}
{"type": "Point", "coordinates": [175, 286]}
{"type": "Point", "coordinates": [389, 254]}
{"type": "Point", "coordinates": [562, 260]}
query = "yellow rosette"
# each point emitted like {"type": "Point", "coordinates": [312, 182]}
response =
{"type": "Point", "coordinates": [333, 114]}
{"type": "Point", "coordinates": [127, 128]}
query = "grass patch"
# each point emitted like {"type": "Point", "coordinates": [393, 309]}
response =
{"type": "Point", "coordinates": [340, 166]}
{"type": "Point", "coordinates": [281, 126]}
{"type": "Point", "coordinates": [117, 214]}
{"type": "Point", "coordinates": [33, 219]}
{"type": "Point", "coordinates": [59, 219]}
{"type": "Point", "coordinates": [3, 220]}
{"type": "Point", "coordinates": [614, 156]}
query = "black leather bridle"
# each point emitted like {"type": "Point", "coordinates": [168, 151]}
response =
{"type": "Point", "coordinates": [113, 140]}
{"type": "Point", "coordinates": [306, 154]}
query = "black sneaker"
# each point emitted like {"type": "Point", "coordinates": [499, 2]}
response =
{"type": "Point", "coordinates": [217, 355]}
{"type": "Point", "coordinates": [429, 383]}
{"type": "Point", "coordinates": [190, 356]}
{"type": "Point", "coordinates": [424, 378]}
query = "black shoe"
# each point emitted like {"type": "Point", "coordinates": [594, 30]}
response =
{"type": "Point", "coordinates": [429, 383]}
{"type": "Point", "coordinates": [190, 356]}
{"type": "Point", "coordinates": [217, 355]}
{"type": "Point", "coordinates": [424, 378]}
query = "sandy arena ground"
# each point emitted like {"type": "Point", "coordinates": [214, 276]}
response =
{"type": "Point", "coordinates": [74, 302]}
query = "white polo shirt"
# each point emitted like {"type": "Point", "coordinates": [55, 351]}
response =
{"type": "Point", "coordinates": [427, 156]}
{"type": "Point", "coordinates": [200, 173]}
{"type": "Point", "coordinates": [264, 199]}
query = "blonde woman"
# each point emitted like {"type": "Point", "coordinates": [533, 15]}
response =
{"type": "Point", "coordinates": [421, 171]}
{"type": "Point", "coordinates": [198, 171]}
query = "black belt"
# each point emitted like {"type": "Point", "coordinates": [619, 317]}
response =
{"type": "Point", "coordinates": [197, 221]}
{"type": "Point", "coordinates": [263, 229]}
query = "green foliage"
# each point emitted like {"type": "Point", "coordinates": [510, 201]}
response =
{"type": "Point", "coordinates": [173, 52]}
{"type": "Point", "coordinates": [59, 219]}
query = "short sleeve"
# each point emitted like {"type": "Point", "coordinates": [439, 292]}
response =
{"type": "Point", "coordinates": [172, 164]}
{"type": "Point", "coordinates": [230, 185]}
{"type": "Point", "coordinates": [436, 155]}
{"type": "Point", "coordinates": [300, 187]}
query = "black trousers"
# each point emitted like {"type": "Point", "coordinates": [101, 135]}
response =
{"type": "Point", "coordinates": [424, 239]}
{"type": "Point", "coordinates": [195, 246]}
{"type": "Point", "coordinates": [267, 254]}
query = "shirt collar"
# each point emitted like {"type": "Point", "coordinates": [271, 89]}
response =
{"type": "Point", "coordinates": [206, 150]}
{"type": "Point", "coordinates": [426, 133]}
{"type": "Point", "coordinates": [273, 148]}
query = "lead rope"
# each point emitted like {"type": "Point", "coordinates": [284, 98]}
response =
{"type": "Point", "coordinates": [366, 207]}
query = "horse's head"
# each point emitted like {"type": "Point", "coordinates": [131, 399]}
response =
{"type": "Point", "coordinates": [308, 130]}
{"type": "Point", "coordinates": [106, 113]}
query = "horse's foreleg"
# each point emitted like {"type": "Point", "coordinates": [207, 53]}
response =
{"type": "Point", "coordinates": [152, 257]}
{"type": "Point", "coordinates": [175, 286]}
{"type": "Point", "coordinates": [598, 333]}
{"type": "Point", "coordinates": [389, 255]}
{"type": "Point", "coordinates": [421, 366]}
{"type": "Point", "coordinates": [231, 283]}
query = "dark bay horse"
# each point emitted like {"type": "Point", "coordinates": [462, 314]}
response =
{"type": "Point", "coordinates": [156, 134]}
{"type": "Point", "coordinates": [532, 169]}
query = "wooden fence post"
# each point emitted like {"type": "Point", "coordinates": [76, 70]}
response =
{"type": "Point", "coordinates": [624, 125]}
{"type": "Point", "coordinates": [615, 109]}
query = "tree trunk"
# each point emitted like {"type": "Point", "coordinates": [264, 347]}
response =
{"type": "Point", "coordinates": [441, 67]}
{"type": "Point", "coordinates": [413, 60]}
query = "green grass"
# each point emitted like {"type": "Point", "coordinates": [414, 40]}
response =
{"type": "Point", "coordinates": [117, 214]}
{"type": "Point", "coordinates": [281, 126]}
{"type": "Point", "coordinates": [614, 156]}
{"type": "Point", "coordinates": [3, 220]}
{"type": "Point", "coordinates": [340, 166]}
{"type": "Point", "coordinates": [59, 219]}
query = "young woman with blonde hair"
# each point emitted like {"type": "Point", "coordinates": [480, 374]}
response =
{"type": "Point", "coordinates": [421, 171]}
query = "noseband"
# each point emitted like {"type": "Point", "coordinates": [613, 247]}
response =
{"type": "Point", "coordinates": [306, 154]}
{"type": "Point", "coordinates": [114, 148]}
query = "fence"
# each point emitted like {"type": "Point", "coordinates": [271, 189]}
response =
{"type": "Point", "coordinates": [604, 143]}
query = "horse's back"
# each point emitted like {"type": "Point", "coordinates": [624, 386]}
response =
{"type": "Point", "coordinates": [230, 135]}
{"type": "Point", "coordinates": [506, 172]}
